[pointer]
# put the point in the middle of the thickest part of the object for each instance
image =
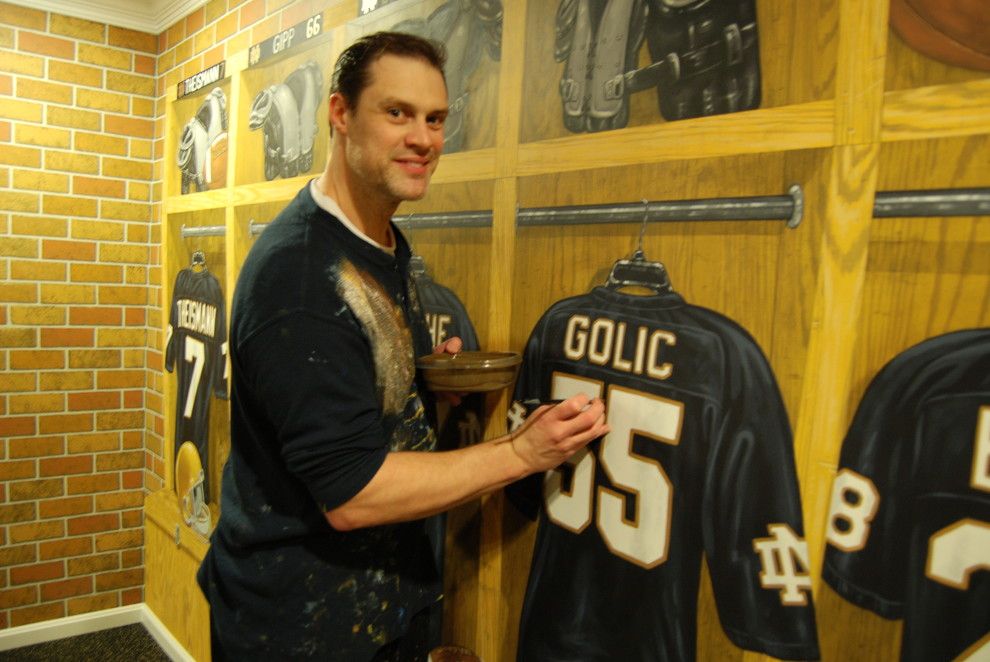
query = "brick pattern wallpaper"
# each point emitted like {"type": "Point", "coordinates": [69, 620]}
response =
{"type": "Point", "coordinates": [77, 127]}
{"type": "Point", "coordinates": [82, 123]}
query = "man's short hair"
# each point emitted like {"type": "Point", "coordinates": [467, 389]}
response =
{"type": "Point", "coordinates": [350, 75]}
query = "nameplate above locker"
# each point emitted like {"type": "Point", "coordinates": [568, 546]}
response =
{"type": "Point", "coordinates": [286, 41]}
{"type": "Point", "coordinates": [198, 81]}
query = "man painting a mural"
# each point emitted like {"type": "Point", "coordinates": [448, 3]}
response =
{"type": "Point", "coordinates": [321, 550]}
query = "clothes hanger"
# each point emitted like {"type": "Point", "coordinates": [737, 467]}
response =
{"type": "Point", "coordinates": [198, 259]}
{"type": "Point", "coordinates": [638, 272]}
{"type": "Point", "coordinates": [417, 265]}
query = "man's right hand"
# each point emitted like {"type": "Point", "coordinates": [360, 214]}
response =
{"type": "Point", "coordinates": [551, 434]}
{"type": "Point", "coordinates": [411, 484]}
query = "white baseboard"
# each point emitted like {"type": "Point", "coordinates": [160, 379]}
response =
{"type": "Point", "coordinates": [164, 637]}
{"type": "Point", "coordinates": [59, 628]}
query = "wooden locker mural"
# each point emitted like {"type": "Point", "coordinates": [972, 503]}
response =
{"type": "Point", "coordinates": [846, 109]}
{"type": "Point", "coordinates": [197, 254]}
{"type": "Point", "coordinates": [923, 278]}
{"type": "Point", "coordinates": [730, 267]}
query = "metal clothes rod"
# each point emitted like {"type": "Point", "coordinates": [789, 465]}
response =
{"type": "Point", "coordinates": [457, 219]}
{"type": "Point", "coordinates": [887, 204]}
{"type": "Point", "coordinates": [203, 231]}
{"type": "Point", "coordinates": [756, 208]}
{"type": "Point", "coordinates": [790, 208]}
{"type": "Point", "coordinates": [783, 207]}
{"type": "Point", "coordinates": [933, 202]}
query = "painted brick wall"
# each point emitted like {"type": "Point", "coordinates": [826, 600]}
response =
{"type": "Point", "coordinates": [77, 245]}
{"type": "Point", "coordinates": [82, 122]}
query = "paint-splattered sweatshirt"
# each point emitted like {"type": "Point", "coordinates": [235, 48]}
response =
{"type": "Point", "coordinates": [324, 332]}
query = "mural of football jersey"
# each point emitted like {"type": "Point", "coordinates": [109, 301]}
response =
{"type": "Point", "coordinates": [446, 318]}
{"type": "Point", "coordinates": [445, 314]}
{"type": "Point", "coordinates": [909, 524]}
{"type": "Point", "coordinates": [699, 459]}
{"type": "Point", "coordinates": [462, 425]}
{"type": "Point", "coordinates": [196, 349]}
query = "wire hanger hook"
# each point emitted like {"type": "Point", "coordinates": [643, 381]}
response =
{"type": "Point", "coordinates": [642, 227]}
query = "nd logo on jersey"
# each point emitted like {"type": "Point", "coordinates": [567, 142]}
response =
{"type": "Point", "coordinates": [784, 557]}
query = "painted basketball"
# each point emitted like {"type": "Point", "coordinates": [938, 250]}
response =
{"type": "Point", "coordinates": [953, 31]}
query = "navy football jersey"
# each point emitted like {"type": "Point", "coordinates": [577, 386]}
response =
{"type": "Point", "coordinates": [699, 459]}
{"type": "Point", "coordinates": [909, 524]}
{"type": "Point", "coordinates": [445, 314]}
{"type": "Point", "coordinates": [462, 425]}
{"type": "Point", "coordinates": [446, 318]}
{"type": "Point", "coordinates": [196, 348]}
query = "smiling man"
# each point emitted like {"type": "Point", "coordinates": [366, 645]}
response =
{"type": "Point", "coordinates": [388, 139]}
{"type": "Point", "coordinates": [323, 547]}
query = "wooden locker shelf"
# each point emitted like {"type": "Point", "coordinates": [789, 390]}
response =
{"type": "Point", "coordinates": [174, 552]}
{"type": "Point", "coordinates": [785, 128]}
{"type": "Point", "coordinates": [193, 202]}
{"type": "Point", "coordinates": [958, 109]}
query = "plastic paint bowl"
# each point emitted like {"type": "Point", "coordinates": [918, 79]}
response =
{"type": "Point", "coordinates": [469, 372]}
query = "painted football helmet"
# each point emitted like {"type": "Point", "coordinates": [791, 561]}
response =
{"type": "Point", "coordinates": [189, 488]}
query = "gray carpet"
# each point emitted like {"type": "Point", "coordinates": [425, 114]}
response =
{"type": "Point", "coordinates": [128, 642]}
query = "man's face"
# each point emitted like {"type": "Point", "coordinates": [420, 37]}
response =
{"type": "Point", "coordinates": [395, 134]}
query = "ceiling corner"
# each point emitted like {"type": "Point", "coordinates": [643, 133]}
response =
{"type": "Point", "coordinates": [152, 16]}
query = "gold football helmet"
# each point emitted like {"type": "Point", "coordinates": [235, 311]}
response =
{"type": "Point", "coordinates": [189, 488]}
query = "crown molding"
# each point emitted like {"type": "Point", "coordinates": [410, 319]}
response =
{"type": "Point", "coordinates": [152, 16]}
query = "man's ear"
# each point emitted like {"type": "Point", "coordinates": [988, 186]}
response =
{"type": "Point", "coordinates": [337, 111]}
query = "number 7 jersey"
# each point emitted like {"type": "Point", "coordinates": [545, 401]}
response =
{"type": "Point", "coordinates": [909, 524]}
{"type": "Point", "coordinates": [699, 459]}
{"type": "Point", "coordinates": [196, 348]}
